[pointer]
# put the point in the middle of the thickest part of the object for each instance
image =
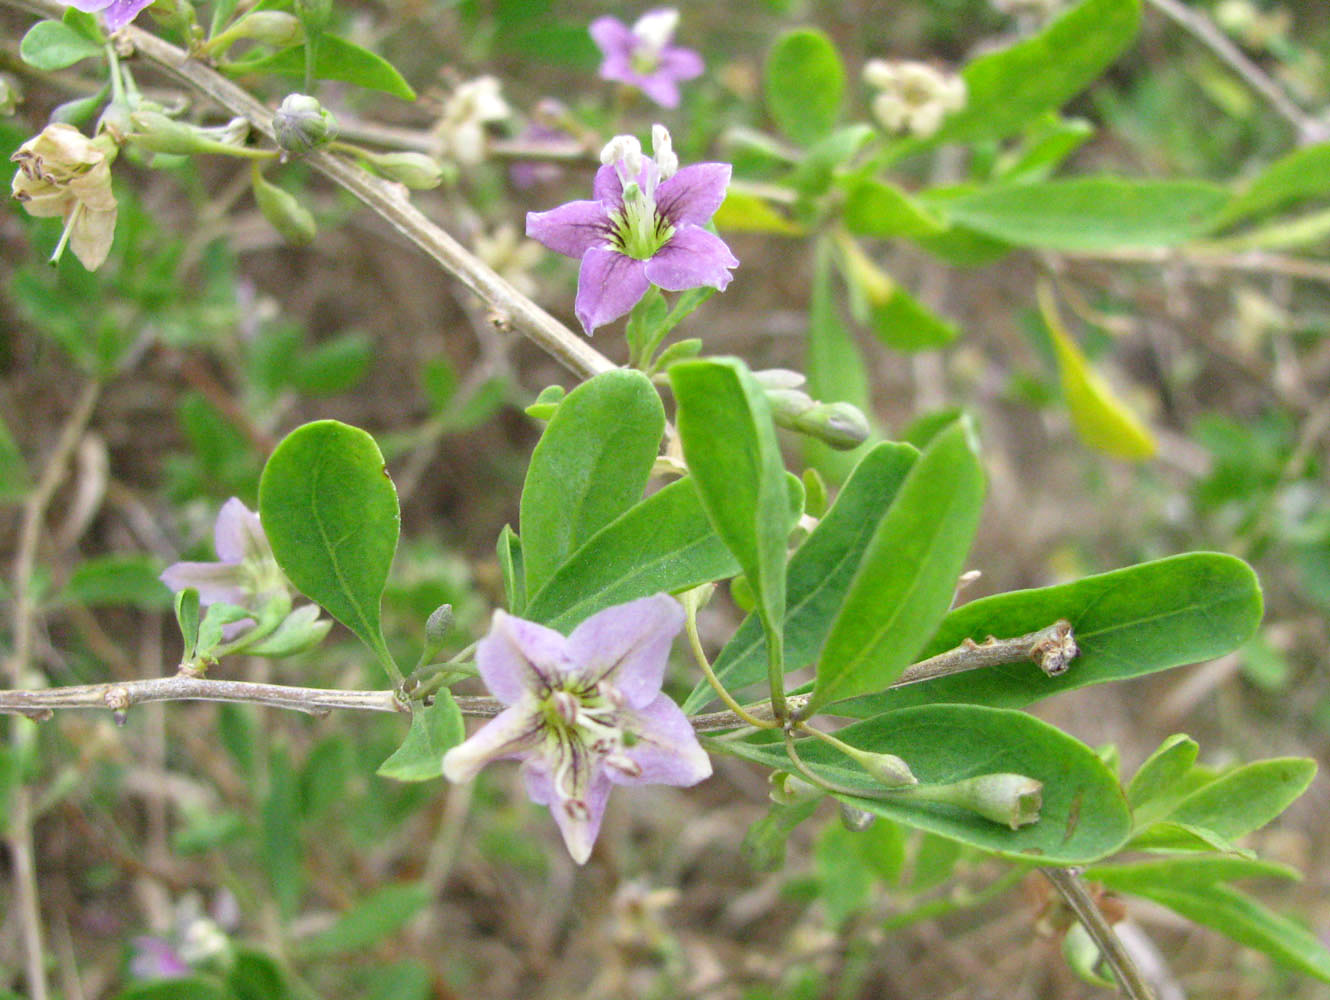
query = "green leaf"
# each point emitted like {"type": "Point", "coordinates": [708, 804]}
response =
{"type": "Point", "coordinates": [52, 45]}
{"type": "Point", "coordinates": [335, 365]}
{"type": "Point", "coordinates": [1101, 419]}
{"type": "Point", "coordinates": [1179, 837]}
{"type": "Point", "coordinates": [1245, 798]}
{"type": "Point", "coordinates": [281, 852]}
{"type": "Point", "coordinates": [187, 617]}
{"type": "Point", "coordinates": [835, 366]}
{"type": "Point", "coordinates": [1186, 872]}
{"type": "Point", "coordinates": [14, 479]}
{"type": "Point", "coordinates": [729, 443]}
{"type": "Point", "coordinates": [744, 212]}
{"type": "Point", "coordinates": [1299, 176]}
{"type": "Point", "coordinates": [336, 59]}
{"type": "Point", "coordinates": [1238, 916]}
{"type": "Point", "coordinates": [435, 729]}
{"type": "Point", "coordinates": [405, 980]}
{"type": "Point", "coordinates": [1159, 779]}
{"type": "Point", "coordinates": [763, 845]}
{"type": "Point", "coordinates": [1047, 144]}
{"type": "Point", "coordinates": [819, 574]}
{"type": "Point", "coordinates": [805, 84]}
{"type": "Point", "coordinates": [1127, 623]}
{"type": "Point", "coordinates": [299, 631]}
{"type": "Point", "coordinates": [85, 23]}
{"type": "Point", "coordinates": [330, 511]}
{"type": "Point", "coordinates": [256, 976]}
{"type": "Point", "coordinates": [1008, 88]}
{"type": "Point", "coordinates": [118, 580]}
{"type": "Point", "coordinates": [510, 565]}
{"type": "Point", "coordinates": [1090, 213]}
{"type": "Point", "coordinates": [815, 172]}
{"type": "Point", "coordinates": [591, 465]}
{"type": "Point", "coordinates": [186, 988]}
{"type": "Point", "coordinates": [1083, 817]}
{"type": "Point", "coordinates": [664, 543]}
{"type": "Point", "coordinates": [374, 918]}
{"type": "Point", "coordinates": [876, 208]}
{"type": "Point", "coordinates": [907, 578]}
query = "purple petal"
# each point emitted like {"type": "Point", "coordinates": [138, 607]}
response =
{"type": "Point", "coordinates": [153, 958]}
{"type": "Point", "coordinates": [680, 63]}
{"type": "Point", "coordinates": [238, 533]}
{"type": "Point", "coordinates": [666, 750]}
{"type": "Point", "coordinates": [513, 732]}
{"type": "Point", "coordinates": [612, 36]}
{"type": "Point", "coordinates": [520, 656]}
{"type": "Point", "coordinates": [629, 646]}
{"type": "Point", "coordinates": [692, 195]}
{"type": "Point", "coordinates": [578, 822]}
{"type": "Point", "coordinates": [570, 229]}
{"type": "Point", "coordinates": [217, 583]}
{"type": "Point", "coordinates": [607, 188]}
{"type": "Point", "coordinates": [693, 257]}
{"type": "Point", "coordinates": [116, 13]}
{"type": "Point", "coordinates": [660, 87]}
{"type": "Point", "coordinates": [608, 286]}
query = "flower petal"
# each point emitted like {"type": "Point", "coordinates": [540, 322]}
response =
{"type": "Point", "coordinates": [660, 87]}
{"type": "Point", "coordinates": [238, 533]}
{"type": "Point", "coordinates": [607, 188]}
{"type": "Point", "coordinates": [216, 582]}
{"type": "Point", "coordinates": [628, 645]}
{"type": "Point", "coordinates": [519, 656]}
{"type": "Point", "coordinates": [693, 194]}
{"type": "Point", "coordinates": [511, 733]}
{"type": "Point", "coordinates": [578, 821]}
{"type": "Point", "coordinates": [666, 750]}
{"type": "Point", "coordinates": [612, 36]}
{"type": "Point", "coordinates": [608, 286]}
{"type": "Point", "coordinates": [570, 229]}
{"type": "Point", "coordinates": [693, 257]}
{"type": "Point", "coordinates": [680, 63]}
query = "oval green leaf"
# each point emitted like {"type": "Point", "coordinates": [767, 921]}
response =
{"type": "Point", "coordinates": [591, 465]}
{"type": "Point", "coordinates": [330, 511]}
{"type": "Point", "coordinates": [1084, 814]}
{"type": "Point", "coordinates": [805, 84]}
{"type": "Point", "coordinates": [52, 45]}
{"type": "Point", "coordinates": [334, 59]}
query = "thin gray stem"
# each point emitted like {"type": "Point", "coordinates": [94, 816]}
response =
{"type": "Point", "coordinates": [1072, 890]}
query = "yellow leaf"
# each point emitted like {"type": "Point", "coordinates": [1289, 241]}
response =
{"type": "Point", "coordinates": [747, 213]}
{"type": "Point", "coordinates": [1102, 420]}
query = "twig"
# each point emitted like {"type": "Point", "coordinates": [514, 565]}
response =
{"type": "Point", "coordinates": [389, 200]}
{"type": "Point", "coordinates": [1208, 33]}
{"type": "Point", "coordinates": [1070, 888]}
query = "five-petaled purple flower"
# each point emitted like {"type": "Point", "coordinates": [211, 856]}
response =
{"type": "Point", "coordinates": [117, 13]}
{"type": "Point", "coordinates": [643, 228]}
{"type": "Point", "coordinates": [247, 572]}
{"type": "Point", "coordinates": [643, 56]}
{"type": "Point", "coordinates": [584, 712]}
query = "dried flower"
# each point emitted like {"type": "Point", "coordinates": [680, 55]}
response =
{"type": "Point", "coordinates": [461, 130]}
{"type": "Point", "coordinates": [116, 13]}
{"type": "Point", "coordinates": [63, 172]}
{"type": "Point", "coordinates": [509, 255]}
{"type": "Point", "coordinates": [643, 56]}
{"type": "Point", "coordinates": [914, 96]}
{"type": "Point", "coordinates": [644, 227]}
{"type": "Point", "coordinates": [585, 712]}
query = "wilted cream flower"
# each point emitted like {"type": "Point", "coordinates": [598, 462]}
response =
{"type": "Point", "coordinates": [914, 96]}
{"type": "Point", "coordinates": [63, 172]}
{"type": "Point", "coordinates": [510, 255]}
{"type": "Point", "coordinates": [461, 130]}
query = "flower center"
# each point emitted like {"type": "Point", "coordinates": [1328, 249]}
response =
{"type": "Point", "coordinates": [584, 724]}
{"type": "Point", "coordinates": [639, 230]}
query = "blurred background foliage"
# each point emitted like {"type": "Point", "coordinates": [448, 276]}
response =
{"type": "Point", "coordinates": [263, 843]}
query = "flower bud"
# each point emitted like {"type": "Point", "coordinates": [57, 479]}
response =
{"type": "Point", "coordinates": [788, 789]}
{"type": "Point", "coordinates": [301, 123]}
{"type": "Point", "coordinates": [439, 623]}
{"type": "Point", "coordinates": [854, 819]}
{"type": "Point", "coordinates": [840, 425]}
{"type": "Point", "coordinates": [1013, 800]}
{"type": "Point", "coordinates": [779, 378]}
{"type": "Point", "coordinates": [283, 212]}
{"type": "Point", "coordinates": [885, 768]}
{"type": "Point", "coordinates": [271, 27]}
{"type": "Point", "coordinates": [416, 170]}
{"type": "Point", "coordinates": [10, 95]}
{"type": "Point", "coordinates": [159, 133]}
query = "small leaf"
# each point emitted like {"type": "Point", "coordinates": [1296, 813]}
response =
{"type": "Point", "coordinates": [591, 465]}
{"type": "Point", "coordinates": [52, 45]}
{"type": "Point", "coordinates": [330, 511]}
{"type": "Point", "coordinates": [1089, 213]}
{"type": "Point", "coordinates": [876, 208]}
{"type": "Point", "coordinates": [435, 729]}
{"type": "Point", "coordinates": [118, 580]}
{"type": "Point", "coordinates": [805, 84]}
{"type": "Point", "coordinates": [1186, 872]}
{"type": "Point", "coordinates": [1127, 623]}
{"type": "Point", "coordinates": [907, 578]}
{"type": "Point", "coordinates": [334, 366]}
{"type": "Point", "coordinates": [281, 853]}
{"type": "Point", "coordinates": [1247, 797]}
{"type": "Point", "coordinates": [1159, 779]}
{"type": "Point", "coordinates": [186, 988]}
{"type": "Point", "coordinates": [1101, 419]}
{"type": "Point", "coordinates": [256, 976]}
{"type": "Point", "coordinates": [1083, 817]}
{"type": "Point", "coordinates": [1296, 177]}
{"type": "Point", "coordinates": [335, 59]}
{"type": "Point", "coordinates": [187, 617]}
{"type": "Point", "coordinates": [1007, 88]}
{"type": "Point", "coordinates": [380, 914]}
{"type": "Point", "coordinates": [510, 565]}
{"type": "Point", "coordinates": [299, 631]}
{"type": "Point", "coordinates": [835, 365]}
{"type": "Point", "coordinates": [744, 212]}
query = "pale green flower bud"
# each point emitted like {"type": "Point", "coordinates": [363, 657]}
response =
{"type": "Point", "coordinates": [283, 211]}
{"type": "Point", "coordinates": [788, 789]}
{"type": "Point", "coordinates": [301, 123]}
{"type": "Point", "coordinates": [272, 27]}
{"type": "Point", "coordinates": [840, 425]}
{"type": "Point", "coordinates": [1013, 800]}
{"type": "Point", "coordinates": [854, 819]}
{"type": "Point", "coordinates": [416, 170]}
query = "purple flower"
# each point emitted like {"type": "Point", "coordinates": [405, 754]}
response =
{"type": "Point", "coordinates": [643, 56]}
{"type": "Point", "coordinates": [247, 572]}
{"type": "Point", "coordinates": [154, 958]}
{"type": "Point", "coordinates": [584, 712]}
{"type": "Point", "coordinates": [117, 13]}
{"type": "Point", "coordinates": [644, 227]}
